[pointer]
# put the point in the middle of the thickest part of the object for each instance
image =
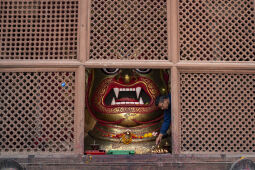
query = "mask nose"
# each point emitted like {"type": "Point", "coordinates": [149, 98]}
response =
{"type": "Point", "coordinates": [125, 76]}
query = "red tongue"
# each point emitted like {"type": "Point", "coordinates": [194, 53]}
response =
{"type": "Point", "coordinates": [126, 100]}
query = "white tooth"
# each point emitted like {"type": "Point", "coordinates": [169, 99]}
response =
{"type": "Point", "coordinates": [132, 102]}
{"type": "Point", "coordinates": [122, 102]}
{"type": "Point", "coordinates": [117, 102]}
{"type": "Point", "coordinates": [138, 90]}
{"type": "Point", "coordinates": [116, 91]}
{"type": "Point", "coordinates": [113, 101]}
{"type": "Point", "coordinates": [136, 102]}
{"type": "Point", "coordinates": [133, 89]}
{"type": "Point", "coordinates": [141, 101]}
{"type": "Point", "coordinates": [120, 89]}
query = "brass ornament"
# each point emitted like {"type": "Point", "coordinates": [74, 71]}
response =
{"type": "Point", "coordinates": [127, 137]}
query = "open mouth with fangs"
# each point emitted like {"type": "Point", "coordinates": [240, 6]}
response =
{"type": "Point", "coordinates": [127, 96]}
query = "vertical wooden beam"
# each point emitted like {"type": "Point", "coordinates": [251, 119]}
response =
{"type": "Point", "coordinates": [174, 53]}
{"type": "Point", "coordinates": [80, 79]}
{"type": "Point", "coordinates": [88, 28]}
{"type": "Point", "coordinates": [79, 110]}
{"type": "Point", "coordinates": [84, 41]}
{"type": "Point", "coordinates": [175, 92]}
{"type": "Point", "coordinates": [169, 41]}
{"type": "Point", "coordinates": [173, 30]}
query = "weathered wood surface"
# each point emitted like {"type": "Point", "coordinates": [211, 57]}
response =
{"type": "Point", "coordinates": [130, 162]}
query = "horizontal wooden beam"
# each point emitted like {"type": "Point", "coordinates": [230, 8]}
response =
{"type": "Point", "coordinates": [70, 157]}
{"type": "Point", "coordinates": [216, 65]}
{"type": "Point", "coordinates": [39, 63]}
{"type": "Point", "coordinates": [27, 69]}
{"type": "Point", "coordinates": [128, 64]}
{"type": "Point", "coordinates": [193, 65]}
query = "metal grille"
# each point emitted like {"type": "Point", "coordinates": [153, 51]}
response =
{"type": "Point", "coordinates": [217, 112]}
{"type": "Point", "coordinates": [33, 29]}
{"type": "Point", "coordinates": [217, 30]}
{"type": "Point", "coordinates": [128, 29]}
{"type": "Point", "coordinates": [37, 111]}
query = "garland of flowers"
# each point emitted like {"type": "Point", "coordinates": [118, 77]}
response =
{"type": "Point", "coordinates": [125, 139]}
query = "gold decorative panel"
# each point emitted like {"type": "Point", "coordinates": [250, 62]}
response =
{"type": "Point", "coordinates": [37, 111]}
{"type": "Point", "coordinates": [128, 29]}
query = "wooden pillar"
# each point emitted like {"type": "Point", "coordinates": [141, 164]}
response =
{"type": "Point", "coordinates": [173, 30]}
{"type": "Point", "coordinates": [84, 41]}
{"type": "Point", "coordinates": [174, 53]}
{"type": "Point", "coordinates": [79, 110]}
{"type": "Point", "coordinates": [175, 81]}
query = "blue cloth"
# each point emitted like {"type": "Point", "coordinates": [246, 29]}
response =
{"type": "Point", "coordinates": [167, 118]}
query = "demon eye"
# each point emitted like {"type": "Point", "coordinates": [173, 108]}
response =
{"type": "Point", "coordinates": [143, 70]}
{"type": "Point", "coordinates": [110, 70]}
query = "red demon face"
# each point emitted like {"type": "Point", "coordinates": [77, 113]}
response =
{"type": "Point", "coordinates": [125, 96]}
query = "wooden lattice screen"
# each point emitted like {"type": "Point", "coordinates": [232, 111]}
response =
{"type": "Point", "coordinates": [39, 29]}
{"type": "Point", "coordinates": [128, 29]}
{"type": "Point", "coordinates": [46, 45]}
{"type": "Point", "coordinates": [216, 109]}
{"type": "Point", "coordinates": [217, 112]}
{"type": "Point", "coordinates": [217, 30]}
{"type": "Point", "coordinates": [37, 111]}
